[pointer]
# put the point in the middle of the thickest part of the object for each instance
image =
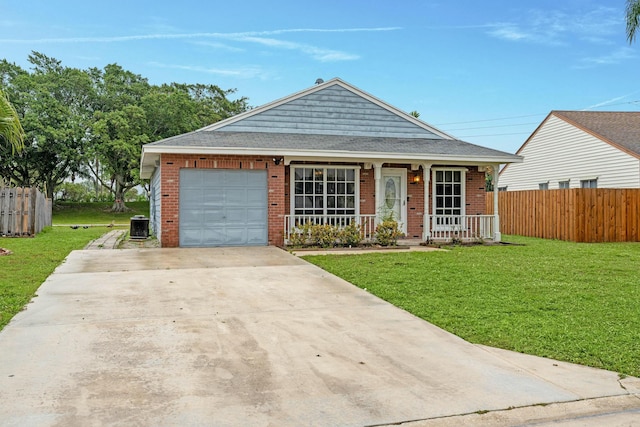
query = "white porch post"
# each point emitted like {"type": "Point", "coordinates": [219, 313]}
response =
{"type": "Point", "coordinates": [497, 236]}
{"type": "Point", "coordinates": [426, 223]}
{"type": "Point", "coordinates": [377, 175]}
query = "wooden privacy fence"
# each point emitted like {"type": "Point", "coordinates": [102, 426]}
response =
{"type": "Point", "coordinates": [578, 215]}
{"type": "Point", "coordinates": [23, 211]}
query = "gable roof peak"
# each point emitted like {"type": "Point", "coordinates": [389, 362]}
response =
{"type": "Point", "coordinates": [327, 85]}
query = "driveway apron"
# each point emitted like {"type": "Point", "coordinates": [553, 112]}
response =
{"type": "Point", "coordinates": [255, 337]}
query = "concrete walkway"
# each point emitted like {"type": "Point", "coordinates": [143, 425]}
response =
{"type": "Point", "coordinates": [108, 240]}
{"type": "Point", "coordinates": [258, 337]}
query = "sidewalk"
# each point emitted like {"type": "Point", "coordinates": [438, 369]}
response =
{"type": "Point", "coordinates": [107, 241]}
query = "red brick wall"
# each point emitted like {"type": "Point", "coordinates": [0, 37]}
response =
{"type": "Point", "coordinates": [367, 192]}
{"type": "Point", "coordinates": [170, 190]}
{"type": "Point", "coordinates": [475, 192]}
{"type": "Point", "coordinates": [415, 204]}
{"type": "Point", "coordinates": [279, 200]}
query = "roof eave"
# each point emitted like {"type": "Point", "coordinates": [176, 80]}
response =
{"type": "Point", "coordinates": [150, 154]}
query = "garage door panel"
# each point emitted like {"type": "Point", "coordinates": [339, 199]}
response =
{"type": "Point", "coordinates": [213, 216]}
{"type": "Point", "coordinates": [190, 237]}
{"type": "Point", "coordinates": [213, 236]}
{"type": "Point", "coordinates": [236, 216]}
{"type": "Point", "coordinates": [255, 236]}
{"type": "Point", "coordinates": [236, 197]}
{"type": "Point", "coordinates": [214, 196]}
{"type": "Point", "coordinates": [191, 180]}
{"type": "Point", "coordinates": [235, 236]}
{"type": "Point", "coordinates": [193, 216]}
{"type": "Point", "coordinates": [255, 196]}
{"type": "Point", "coordinates": [256, 216]}
{"type": "Point", "coordinates": [223, 207]}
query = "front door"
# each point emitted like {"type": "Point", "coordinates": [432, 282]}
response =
{"type": "Point", "coordinates": [393, 189]}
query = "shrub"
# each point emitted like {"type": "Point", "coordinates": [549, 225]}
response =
{"type": "Point", "coordinates": [351, 235]}
{"type": "Point", "coordinates": [387, 233]}
{"type": "Point", "coordinates": [324, 235]}
{"type": "Point", "coordinates": [299, 236]}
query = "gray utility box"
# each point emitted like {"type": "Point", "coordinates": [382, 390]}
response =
{"type": "Point", "coordinates": [139, 227]}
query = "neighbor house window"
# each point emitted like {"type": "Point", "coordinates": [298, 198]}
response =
{"type": "Point", "coordinates": [589, 183]}
{"type": "Point", "coordinates": [563, 184]}
{"type": "Point", "coordinates": [502, 188]}
{"type": "Point", "coordinates": [325, 190]}
{"type": "Point", "coordinates": [543, 186]}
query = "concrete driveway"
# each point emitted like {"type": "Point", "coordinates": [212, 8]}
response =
{"type": "Point", "coordinates": [258, 337]}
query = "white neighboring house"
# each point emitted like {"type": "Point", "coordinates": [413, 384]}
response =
{"type": "Point", "coordinates": [578, 149]}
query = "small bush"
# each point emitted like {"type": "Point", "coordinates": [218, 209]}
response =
{"type": "Point", "coordinates": [323, 235]}
{"type": "Point", "coordinates": [300, 235]}
{"type": "Point", "coordinates": [351, 235]}
{"type": "Point", "coordinates": [297, 239]}
{"type": "Point", "coordinates": [387, 233]}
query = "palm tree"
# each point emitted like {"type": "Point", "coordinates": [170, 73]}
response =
{"type": "Point", "coordinates": [11, 131]}
{"type": "Point", "coordinates": [633, 18]}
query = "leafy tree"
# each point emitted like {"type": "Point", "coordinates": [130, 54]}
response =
{"type": "Point", "coordinates": [118, 130]}
{"type": "Point", "coordinates": [119, 138]}
{"type": "Point", "coordinates": [633, 19]}
{"type": "Point", "coordinates": [93, 122]}
{"type": "Point", "coordinates": [54, 105]}
{"type": "Point", "coordinates": [11, 132]}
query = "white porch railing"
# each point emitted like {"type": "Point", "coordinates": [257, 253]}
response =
{"type": "Point", "coordinates": [439, 228]}
{"type": "Point", "coordinates": [295, 223]}
{"type": "Point", "coordinates": [460, 227]}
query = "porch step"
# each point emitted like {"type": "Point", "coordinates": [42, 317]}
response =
{"type": "Point", "coordinates": [409, 242]}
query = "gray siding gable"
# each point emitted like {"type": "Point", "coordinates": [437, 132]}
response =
{"type": "Point", "coordinates": [333, 110]}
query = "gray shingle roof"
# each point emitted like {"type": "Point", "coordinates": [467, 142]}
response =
{"type": "Point", "coordinates": [331, 120]}
{"type": "Point", "coordinates": [621, 128]}
{"type": "Point", "coordinates": [333, 143]}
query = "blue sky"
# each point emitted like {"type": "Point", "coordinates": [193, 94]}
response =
{"type": "Point", "coordinates": [487, 72]}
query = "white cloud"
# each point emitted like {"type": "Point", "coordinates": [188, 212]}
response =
{"type": "Point", "coordinates": [242, 72]}
{"type": "Point", "coordinates": [508, 32]}
{"type": "Point", "coordinates": [556, 27]}
{"type": "Point", "coordinates": [616, 57]}
{"type": "Point", "coordinates": [218, 46]}
{"type": "Point", "coordinates": [318, 53]}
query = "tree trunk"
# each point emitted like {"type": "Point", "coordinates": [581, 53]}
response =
{"type": "Point", "coordinates": [118, 203]}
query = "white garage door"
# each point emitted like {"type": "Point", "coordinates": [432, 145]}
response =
{"type": "Point", "coordinates": [223, 207]}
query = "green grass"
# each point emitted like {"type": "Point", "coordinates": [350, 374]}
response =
{"type": "Point", "coordinates": [32, 261]}
{"type": "Point", "coordinates": [569, 301]}
{"type": "Point", "coordinates": [65, 213]}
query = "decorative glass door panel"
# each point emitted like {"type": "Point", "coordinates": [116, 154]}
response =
{"type": "Point", "coordinates": [393, 193]}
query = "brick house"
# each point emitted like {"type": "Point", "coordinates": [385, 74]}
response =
{"type": "Point", "coordinates": [328, 154]}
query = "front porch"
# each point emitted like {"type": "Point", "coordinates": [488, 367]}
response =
{"type": "Point", "coordinates": [437, 228]}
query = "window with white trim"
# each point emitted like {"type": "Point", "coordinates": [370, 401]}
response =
{"type": "Point", "coordinates": [448, 192]}
{"type": "Point", "coordinates": [543, 186]}
{"type": "Point", "coordinates": [563, 184]}
{"type": "Point", "coordinates": [321, 190]}
{"type": "Point", "coordinates": [589, 183]}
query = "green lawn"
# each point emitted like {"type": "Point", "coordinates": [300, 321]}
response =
{"type": "Point", "coordinates": [569, 301]}
{"type": "Point", "coordinates": [95, 213]}
{"type": "Point", "coordinates": [32, 261]}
